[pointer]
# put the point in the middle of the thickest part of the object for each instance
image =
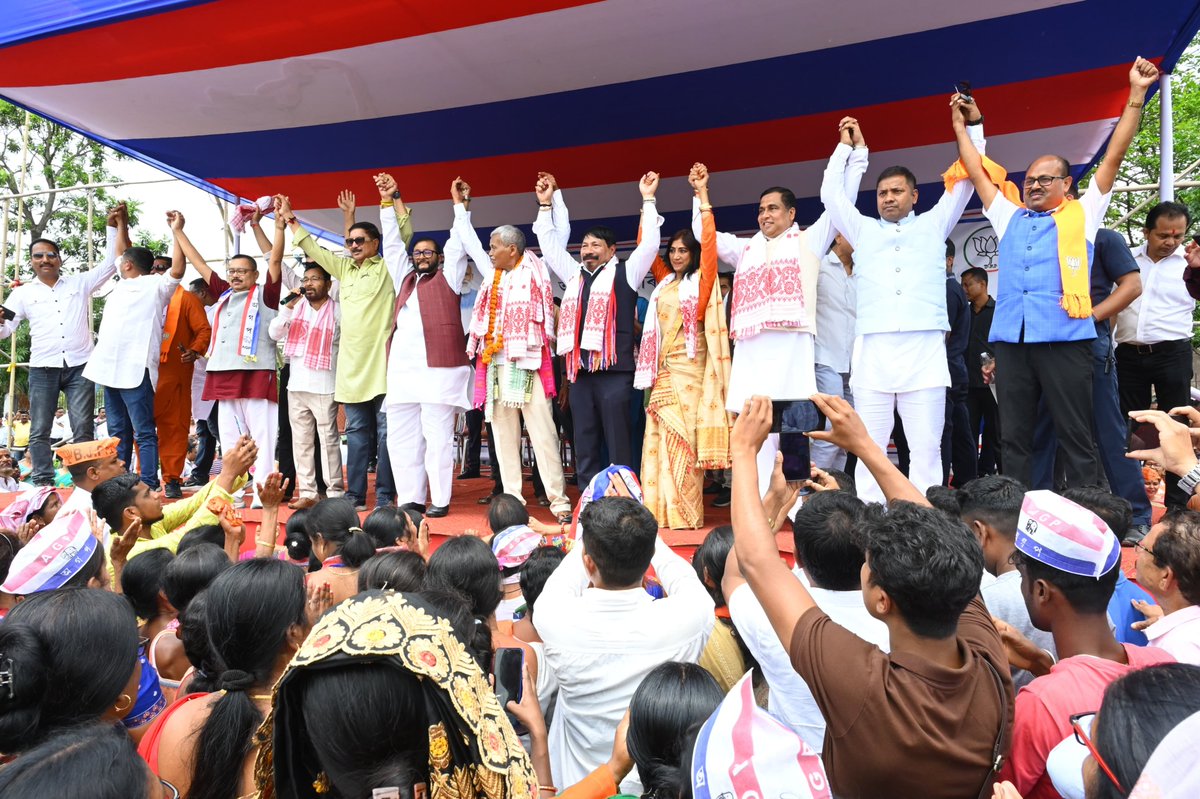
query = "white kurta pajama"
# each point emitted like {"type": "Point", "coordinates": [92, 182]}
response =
{"type": "Point", "coordinates": [422, 400]}
{"type": "Point", "coordinates": [778, 362]}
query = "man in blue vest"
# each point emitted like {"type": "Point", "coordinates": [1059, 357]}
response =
{"type": "Point", "coordinates": [1043, 327]}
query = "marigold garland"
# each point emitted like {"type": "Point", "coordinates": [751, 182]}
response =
{"type": "Point", "coordinates": [494, 342]}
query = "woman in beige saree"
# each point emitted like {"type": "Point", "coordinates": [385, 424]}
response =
{"type": "Point", "coordinates": [684, 360]}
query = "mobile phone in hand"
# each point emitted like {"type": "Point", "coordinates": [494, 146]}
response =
{"type": "Point", "coordinates": [508, 665]}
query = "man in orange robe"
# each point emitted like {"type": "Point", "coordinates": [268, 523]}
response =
{"type": "Point", "coordinates": [186, 332]}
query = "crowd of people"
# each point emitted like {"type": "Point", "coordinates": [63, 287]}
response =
{"type": "Point", "coordinates": [965, 624]}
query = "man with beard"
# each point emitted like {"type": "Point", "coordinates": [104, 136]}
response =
{"type": "Point", "coordinates": [241, 355]}
{"type": "Point", "coordinates": [309, 328]}
{"type": "Point", "coordinates": [125, 500]}
{"type": "Point", "coordinates": [428, 372]}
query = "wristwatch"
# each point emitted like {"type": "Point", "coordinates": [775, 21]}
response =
{"type": "Point", "coordinates": [1189, 481]}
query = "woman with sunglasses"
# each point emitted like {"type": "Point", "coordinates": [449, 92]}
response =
{"type": "Point", "coordinates": [1141, 742]}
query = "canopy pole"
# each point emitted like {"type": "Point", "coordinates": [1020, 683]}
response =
{"type": "Point", "coordinates": [12, 340]}
{"type": "Point", "coordinates": [1166, 139]}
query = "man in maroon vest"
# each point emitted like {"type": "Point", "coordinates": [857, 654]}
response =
{"type": "Point", "coordinates": [428, 372]}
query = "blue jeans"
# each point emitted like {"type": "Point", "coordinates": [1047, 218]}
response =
{"type": "Point", "coordinates": [366, 423]}
{"type": "Point", "coordinates": [131, 410]}
{"type": "Point", "coordinates": [45, 383]}
{"type": "Point", "coordinates": [1109, 429]}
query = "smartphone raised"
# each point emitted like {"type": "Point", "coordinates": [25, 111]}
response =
{"type": "Point", "coordinates": [7, 314]}
{"type": "Point", "coordinates": [1144, 435]}
{"type": "Point", "coordinates": [963, 88]}
{"type": "Point", "coordinates": [508, 664]}
{"type": "Point", "coordinates": [792, 419]}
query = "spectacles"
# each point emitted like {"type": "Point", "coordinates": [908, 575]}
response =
{"type": "Point", "coordinates": [169, 791]}
{"type": "Point", "coordinates": [307, 279]}
{"type": "Point", "coordinates": [159, 268]}
{"type": "Point", "coordinates": [1081, 736]}
{"type": "Point", "coordinates": [357, 240]}
{"type": "Point", "coordinates": [1044, 180]}
{"type": "Point", "coordinates": [1147, 550]}
{"type": "Point", "coordinates": [239, 271]}
{"type": "Point", "coordinates": [424, 253]}
{"type": "Point", "coordinates": [46, 256]}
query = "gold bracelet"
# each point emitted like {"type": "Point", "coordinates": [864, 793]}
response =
{"type": "Point", "coordinates": [550, 788]}
{"type": "Point", "coordinates": [705, 206]}
{"type": "Point", "coordinates": [1136, 104]}
{"type": "Point", "coordinates": [386, 203]}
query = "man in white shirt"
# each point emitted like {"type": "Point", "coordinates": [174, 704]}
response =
{"type": "Point", "coordinates": [57, 307]}
{"type": "Point", "coordinates": [603, 633]}
{"type": "Point", "coordinates": [126, 358]}
{"type": "Point", "coordinates": [60, 428]}
{"type": "Point", "coordinates": [1168, 567]}
{"type": "Point", "coordinates": [899, 362]}
{"type": "Point", "coordinates": [1154, 332]}
{"type": "Point", "coordinates": [428, 372]}
{"type": "Point", "coordinates": [829, 561]}
{"type": "Point", "coordinates": [768, 325]}
{"type": "Point", "coordinates": [309, 327]}
{"type": "Point", "coordinates": [836, 311]}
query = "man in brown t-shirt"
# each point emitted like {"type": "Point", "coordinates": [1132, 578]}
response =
{"type": "Point", "coordinates": [927, 720]}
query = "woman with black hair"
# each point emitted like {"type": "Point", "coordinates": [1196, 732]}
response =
{"type": "Point", "coordinates": [657, 734]}
{"type": "Point", "coordinates": [383, 695]}
{"type": "Point", "coordinates": [256, 619]}
{"type": "Point", "coordinates": [387, 526]}
{"type": "Point", "coordinates": [725, 655]}
{"type": "Point", "coordinates": [401, 570]}
{"type": "Point", "coordinates": [97, 760]}
{"type": "Point", "coordinates": [684, 361]}
{"type": "Point", "coordinates": [340, 544]}
{"type": "Point", "coordinates": [69, 656]}
{"type": "Point", "coordinates": [467, 565]}
{"type": "Point", "coordinates": [142, 582]}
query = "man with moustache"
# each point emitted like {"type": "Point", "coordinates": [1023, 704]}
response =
{"type": "Point", "coordinates": [428, 372]}
{"type": "Point", "coordinates": [309, 327]}
{"type": "Point", "coordinates": [241, 355]}
{"type": "Point", "coordinates": [1044, 324]}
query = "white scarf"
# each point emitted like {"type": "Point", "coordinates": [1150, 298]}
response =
{"type": "Point", "coordinates": [599, 323]}
{"type": "Point", "coordinates": [771, 294]}
{"type": "Point", "coordinates": [248, 339]}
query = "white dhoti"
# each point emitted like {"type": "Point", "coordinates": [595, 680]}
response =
{"type": "Point", "coordinates": [257, 418]}
{"type": "Point", "coordinates": [420, 442]}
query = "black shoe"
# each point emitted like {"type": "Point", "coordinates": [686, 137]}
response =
{"type": "Point", "coordinates": [487, 498]}
{"type": "Point", "coordinates": [1135, 534]}
{"type": "Point", "coordinates": [712, 488]}
{"type": "Point", "coordinates": [173, 490]}
{"type": "Point", "coordinates": [192, 482]}
{"type": "Point", "coordinates": [419, 507]}
{"type": "Point", "coordinates": [437, 511]}
{"type": "Point", "coordinates": [468, 474]}
{"type": "Point", "coordinates": [723, 499]}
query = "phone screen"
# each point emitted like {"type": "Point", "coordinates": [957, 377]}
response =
{"type": "Point", "coordinates": [506, 668]}
{"type": "Point", "coordinates": [796, 416]}
{"type": "Point", "coordinates": [797, 460]}
{"type": "Point", "coordinates": [1144, 435]}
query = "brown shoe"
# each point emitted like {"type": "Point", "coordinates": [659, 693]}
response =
{"type": "Point", "coordinates": [300, 503]}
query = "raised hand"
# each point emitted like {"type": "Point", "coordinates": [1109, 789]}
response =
{"type": "Point", "coordinates": [422, 539]}
{"type": "Point", "coordinates": [1143, 74]}
{"type": "Point", "coordinates": [753, 425]}
{"type": "Point", "coordinates": [117, 215]}
{"type": "Point", "coordinates": [648, 185]}
{"type": "Point", "coordinates": [848, 431]}
{"type": "Point", "coordinates": [460, 191]}
{"type": "Point", "coordinates": [175, 220]}
{"type": "Point", "coordinates": [550, 180]}
{"type": "Point", "coordinates": [544, 189]}
{"type": "Point", "coordinates": [319, 600]}
{"type": "Point", "coordinates": [29, 529]}
{"type": "Point", "coordinates": [846, 128]}
{"type": "Point", "coordinates": [386, 185]}
{"type": "Point", "coordinates": [122, 545]}
{"type": "Point", "coordinates": [698, 176]}
{"type": "Point", "coordinates": [346, 201]}
{"type": "Point", "coordinates": [283, 207]}
{"type": "Point", "coordinates": [1174, 449]}
{"type": "Point", "coordinates": [271, 492]}
{"type": "Point", "coordinates": [821, 480]}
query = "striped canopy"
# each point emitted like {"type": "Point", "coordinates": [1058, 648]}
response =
{"type": "Point", "coordinates": [309, 97]}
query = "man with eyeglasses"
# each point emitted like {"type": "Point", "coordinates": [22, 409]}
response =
{"type": "Point", "coordinates": [127, 355]}
{"type": "Point", "coordinates": [57, 307]}
{"type": "Point", "coordinates": [309, 328]}
{"type": "Point", "coordinates": [241, 355]}
{"type": "Point", "coordinates": [1168, 567]}
{"type": "Point", "coordinates": [428, 372]}
{"type": "Point", "coordinates": [367, 293]}
{"type": "Point", "coordinates": [1044, 324]}
{"type": "Point", "coordinates": [185, 336]}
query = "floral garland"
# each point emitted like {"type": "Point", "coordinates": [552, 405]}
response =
{"type": "Point", "coordinates": [494, 341]}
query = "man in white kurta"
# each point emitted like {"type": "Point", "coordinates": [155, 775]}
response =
{"type": "Point", "coordinates": [126, 358]}
{"type": "Point", "coordinates": [899, 360]}
{"type": "Point", "coordinates": [422, 399]}
{"type": "Point", "coordinates": [774, 357]}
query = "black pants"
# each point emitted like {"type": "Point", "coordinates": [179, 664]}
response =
{"type": "Point", "coordinates": [473, 429]}
{"type": "Point", "coordinates": [1060, 371]}
{"type": "Point", "coordinates": [206, 447]}
{"type": "Point", "coordinates": [958, 440]}
{"type": "Point", "coordinates": [600, 411]}
{"type": "Point", "coordinates": [981, 406]}
{"type": "Point", "coordinates": [1166, 369]}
